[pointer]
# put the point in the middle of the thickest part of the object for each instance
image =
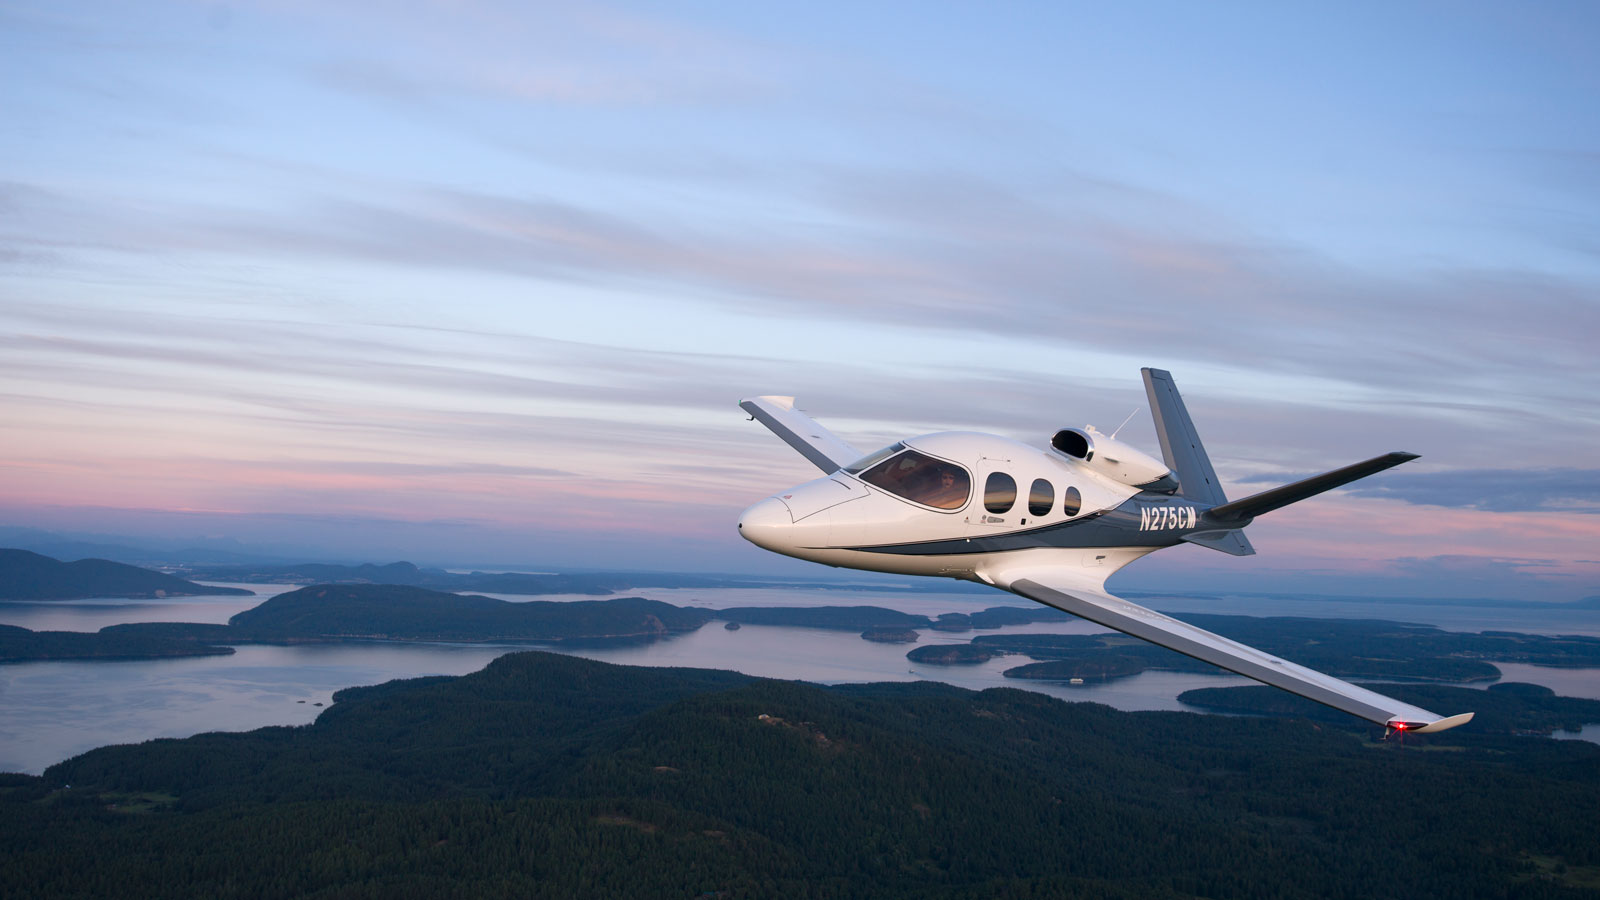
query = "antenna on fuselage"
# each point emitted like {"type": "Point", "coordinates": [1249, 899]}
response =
{"type": "Point", "coordinates": [1127, 420]}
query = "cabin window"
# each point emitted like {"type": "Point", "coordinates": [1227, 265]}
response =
{"type": "Point", "coordinates": [921, 479]}
{"type": "Point", "coordinates": [1071, 501]}
{"type": "Point", "coordinates": [872, 459]}
{"type": "Point", "coordinates": [999, 493]}
{"type": "Point", "coordinates": [1041, 496]}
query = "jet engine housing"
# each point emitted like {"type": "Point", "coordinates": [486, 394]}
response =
{"type": "Point", "coordinates": [1113, 459]}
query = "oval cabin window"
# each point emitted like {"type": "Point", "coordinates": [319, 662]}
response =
{"type": "Point", "coordinates": [1071, 501]}
{"type": "Point", "coordinates": [999, 493]}
{"type": "Point", "coordinates": [1041, 496]}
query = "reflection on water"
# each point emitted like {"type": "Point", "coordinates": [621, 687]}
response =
{"type": "Point", "coordinates": [1566, 682]}
{"type": "Point", "coordinates": [1587, 733]}
{"type": "Point", "coordinates": [928, 604]}
{"type": "Point", "coordinates": [52, 710]}
{"type": "Point", "coordinates": [93, 615]}
{"type": "Point", "coordinates": [838, 657]}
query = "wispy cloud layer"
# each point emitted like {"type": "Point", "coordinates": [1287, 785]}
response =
{"type": "Point", "coordinates": [512, 265]}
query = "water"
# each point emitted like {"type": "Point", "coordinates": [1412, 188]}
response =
{"type": "Point", "coordinates": [50, 711]}
{"type": "Point", "coordinates": [1589, 733]}
{"type": "Point", "coordinates": [93, 615]}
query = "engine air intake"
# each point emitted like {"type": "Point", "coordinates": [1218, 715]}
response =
{"type": "Point", "coordinates": [1073, 443]}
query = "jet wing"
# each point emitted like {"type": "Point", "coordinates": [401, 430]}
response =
{"type": "Point", "coordinates": [801, 432]}
{"type": "Point", "coordinates": [1077, 593]}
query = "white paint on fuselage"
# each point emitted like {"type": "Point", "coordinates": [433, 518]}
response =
{"type": "Point", "coordinates": [822, 520]}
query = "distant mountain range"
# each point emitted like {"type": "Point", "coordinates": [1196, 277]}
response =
{"type": "Point", "coordinates": [127, 548]}
{"type": "Point", "coordinates": [30, 576]}
{"type": "Point", "coordinates": [529, 583]}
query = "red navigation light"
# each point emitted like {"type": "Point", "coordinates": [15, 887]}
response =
{"type": "Point", "coordinates": [1399, 726]}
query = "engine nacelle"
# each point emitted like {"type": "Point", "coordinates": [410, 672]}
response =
{"type": "Point", "coordinates": [1114, 459]}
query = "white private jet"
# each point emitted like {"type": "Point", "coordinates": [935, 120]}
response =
{"type": "Point", "coordinates": [1092, 504]}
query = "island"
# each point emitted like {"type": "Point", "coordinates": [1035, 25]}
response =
{"type": "Point", "coordinates": [1101, 668]}
{"type": "Point", "coordinates": [890, 635]}
{"type": "Point", "coordinates": [839, 618]}
{"type": "Point", "coordinates": [953, 622]}
{"type": "Point", "coordinates": [30, 576]}
{"type": "Point", "coordinates": [545, 775]}
{"type": "Point", "coordinates": [1345, 648]}
{"type": "Point", "coordinates": [346, 612]}
{"type": "Point", "coordinates": [953, 654]}
{"type": "Point", "coordinates": [22, 645]}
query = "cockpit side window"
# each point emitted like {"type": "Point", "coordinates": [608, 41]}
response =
{"type": "Point", "coordinates": [920, 479]}
{"type": "Point", "coordinates": [872, 459]}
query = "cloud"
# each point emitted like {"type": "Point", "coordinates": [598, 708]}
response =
{"type": "Point", "coordinates": [970, 258]}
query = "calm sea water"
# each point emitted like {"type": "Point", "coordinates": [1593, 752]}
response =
{"type": "Point", "coordinates": [50, 711]}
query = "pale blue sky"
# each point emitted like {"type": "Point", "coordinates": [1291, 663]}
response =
{"type": "Point", "coordinates": [503, 270]}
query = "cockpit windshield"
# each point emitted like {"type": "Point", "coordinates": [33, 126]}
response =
{"type": "Point", "coordinates": [921, 479]}
{"type": "Point", "coordinates": [872, 459]}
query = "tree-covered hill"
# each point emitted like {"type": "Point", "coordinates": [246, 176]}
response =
{"type": "Point", "coordinates": [550, 776]}
{"type": "Point", "coordinates": [30, 576]}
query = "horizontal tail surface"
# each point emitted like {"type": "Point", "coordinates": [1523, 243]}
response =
{"type": "Point", "coordinates": [1232, 541]}
{"type": "Point", "coordinates": [1243, 511]}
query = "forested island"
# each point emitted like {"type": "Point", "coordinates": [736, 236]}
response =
{"type": "Point", "coordinates": [352, 612]}
{"type": "Point", "coordinates": [1347, 648]}
{"type": "Point", "coordinates": [22, 645]}
{"type": "Point", "coordinates": [30, 576]}
{"type": "Point", "coordinates": [552, 776]}
{"type": "Point", "coordinates": [890, 635]}
{"type": "Point", "coordinates": [340, 612]}
{"type": "Point", "coordinates": [840, 618]}
{"type": "Point", "coordinates": [952, 654]}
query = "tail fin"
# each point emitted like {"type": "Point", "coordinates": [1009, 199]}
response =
{"type": "Point", "coordinates": [1186, 457]}
{"type": "Point", "coordinates": [1180, 443]}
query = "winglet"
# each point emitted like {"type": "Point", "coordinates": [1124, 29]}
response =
{"type": "Point", "coordinates": [819, 445]}
{"type": "Point", "coordinates": [1427, 727]}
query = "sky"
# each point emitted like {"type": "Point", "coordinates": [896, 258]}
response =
{"type": "Point", "coordinates": [482, 283]}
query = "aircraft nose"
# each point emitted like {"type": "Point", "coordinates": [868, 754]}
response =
{"type": "Point", "coordinates": [765, 524]}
